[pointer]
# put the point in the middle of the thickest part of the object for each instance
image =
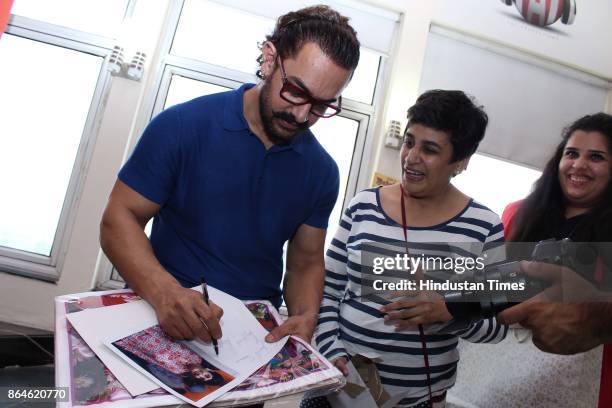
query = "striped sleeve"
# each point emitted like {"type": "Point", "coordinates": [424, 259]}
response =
{"type": "Point", "coordinates": [484, 331]}
{"type": "Point", "coordinates": [494, 250]}
{"type": "Point", "coordinates": [327, 332]}
{"type": "Point", "coordinates": [489, 330]}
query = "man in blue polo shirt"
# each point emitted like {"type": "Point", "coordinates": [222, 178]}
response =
{"type": "Point", "coordinates": [229, 178]}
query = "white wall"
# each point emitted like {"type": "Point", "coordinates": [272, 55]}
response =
{"type": "Point", "coordinates": [577, 46]}
{"type": "Point", "coordinates": [403, 82]}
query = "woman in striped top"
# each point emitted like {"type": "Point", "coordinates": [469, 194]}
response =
{"type": "Point", "coordinates": [444, 129]}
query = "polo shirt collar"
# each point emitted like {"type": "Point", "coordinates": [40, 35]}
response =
{"type": "Point", "coordinates": [297, 144]}
{"type": "Point", "coordinates": [233, 111]}
{"type": "Point", "coordinates": [234, 120]}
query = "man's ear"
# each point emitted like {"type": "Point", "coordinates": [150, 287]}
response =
{"type": "Point", "coordinates": [268, 51]}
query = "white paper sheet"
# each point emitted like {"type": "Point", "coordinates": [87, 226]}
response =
{"type": "Point", "coordinates": [241, 348]}
{"type": "Point", "coordinates": [243, 342]}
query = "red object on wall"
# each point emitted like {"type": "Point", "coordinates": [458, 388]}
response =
{"type": "Point", "coordinates": [5, 12]}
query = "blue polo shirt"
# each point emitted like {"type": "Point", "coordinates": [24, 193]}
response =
{"type": "Point", "coordinates": [228, 205]}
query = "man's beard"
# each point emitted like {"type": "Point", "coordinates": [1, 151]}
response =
{"type": "Point", "coordinates": [267, 119]}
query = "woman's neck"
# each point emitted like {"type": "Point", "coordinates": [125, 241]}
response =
{"type": "Point", "coordinates": [573, 211]}
{"type": "Point", "coordinates": [423, 211]}
{"type": "Point", "coordinates": [442, 199]}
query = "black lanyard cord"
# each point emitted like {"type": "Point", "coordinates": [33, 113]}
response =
{"type": "Point", "coordinates": [421, 331]}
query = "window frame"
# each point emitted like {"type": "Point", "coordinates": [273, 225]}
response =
{"type": "Point", "coordinates": [28, 264]}
{"type": "Point", "coordinates": [166, 80]}
{"type": "Point", "coordinates": [357, 159]}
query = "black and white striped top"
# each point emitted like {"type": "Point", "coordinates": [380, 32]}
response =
{"type": "Point", "coordinates": [350, 324]}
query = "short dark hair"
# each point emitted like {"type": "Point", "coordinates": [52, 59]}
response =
{"type": "Point", "coordinates": [319, 24]}
{"type": "Point", "coordinates": [452, 112]}
{"type": "Point", "coordinates": [544, 208]}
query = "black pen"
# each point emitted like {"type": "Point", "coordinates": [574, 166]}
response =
{"type": "Point", "coordinates": [205, 295]}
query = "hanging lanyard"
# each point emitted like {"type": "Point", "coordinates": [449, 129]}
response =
{"type": "Point", "coordinates": [421, 331]}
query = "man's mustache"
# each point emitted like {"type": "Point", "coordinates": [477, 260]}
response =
{"type": "Point", "coordinates": [288, 117]}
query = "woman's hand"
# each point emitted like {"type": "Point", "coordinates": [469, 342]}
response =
{"type": "Point", "coordinates": [341, 364]}
{"type": "Point", "coordinates": [425, 308]}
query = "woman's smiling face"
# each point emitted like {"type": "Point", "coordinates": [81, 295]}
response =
{"type": "Point", "coordinates": [584, 168]}
{"type": "Point", "coordinates": [426, 161]}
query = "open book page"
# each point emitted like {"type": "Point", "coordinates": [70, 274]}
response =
{"type": "Point", "coordinates": [297, 366]}
{"type": "Point", "coordinates": [242, 346]}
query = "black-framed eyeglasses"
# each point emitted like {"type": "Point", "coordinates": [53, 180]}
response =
{"type": "Point", "coordinates": [298, 96]}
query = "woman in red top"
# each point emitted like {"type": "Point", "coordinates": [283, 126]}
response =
{"type": "Point", "coordinates": [573, 199]}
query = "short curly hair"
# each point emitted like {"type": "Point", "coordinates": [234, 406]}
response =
{"type": "Point", "coordinates": [319, 24]}
{"type": "Point", "coordinates": [455, 113]}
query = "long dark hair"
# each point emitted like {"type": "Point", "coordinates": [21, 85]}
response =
{"type": "Point", "coordinates": [543, 210]}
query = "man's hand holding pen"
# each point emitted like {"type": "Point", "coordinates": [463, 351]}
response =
{"type": "Point", "coordinates": [207, 301]}
{"type": "Point", "coordinates": [184, 315]}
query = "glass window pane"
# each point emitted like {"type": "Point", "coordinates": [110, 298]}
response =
{"type": "Point", "coordinates": [46, 95]}
{"type": "Point", "coordinates": [101, 17]}
{"type": "Point", "coordinates": [481, 181]}
{"type": "Point", "coordinates": [184, 89]}
{"type": "Point", "coordinates": [220, 35]}
{"type": "Point", "coordinates": [202, 20]}
{"type": "Point", "coordinates": [338, 135]}
{"type": "Point", "coordinates": [361, 87]}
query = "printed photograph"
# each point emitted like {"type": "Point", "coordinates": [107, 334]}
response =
{"type": "Point", "coordinates": [262, 313]}
{"type": "Point", "coordinates": [292, 362]}
{"type": "Point", "coordinates": [174, 363]}
{"type": "Point", "coordinates": [109, 299]}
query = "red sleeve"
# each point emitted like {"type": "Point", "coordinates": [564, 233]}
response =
{"type": "Point", "coordinates": [5, 12]}
{"type": "Point", "coordinates": [508, 216]}
{"type": "Point", "coordinates": [605, 389]}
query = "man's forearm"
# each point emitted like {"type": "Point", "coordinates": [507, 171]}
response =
{"type": "Point", "coordinates": [128, 248]}
{"type": "Point", "coordinates": [303, 290]}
